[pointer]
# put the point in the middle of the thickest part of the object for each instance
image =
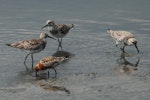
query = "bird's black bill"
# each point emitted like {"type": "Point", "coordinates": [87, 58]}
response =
{"type": "Point", "coordinates": [136, 48]}
{"type": "Point", "coordinates": [44, 26]}
{"type": "Point", "coordinates": [51, 37]}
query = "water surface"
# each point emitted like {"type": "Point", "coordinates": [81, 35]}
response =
{"type": "Point", "coordinates": [96, 70]}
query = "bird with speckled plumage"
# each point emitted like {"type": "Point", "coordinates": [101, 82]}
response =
{"type": "Point", "coordinates": [49, 62]}
{"type": "Point", "coordinates": [32, 45]}
{"type": "Point", "coordinates": [58, 30]}
{"type": "Point", "coordinates": [124, 37]}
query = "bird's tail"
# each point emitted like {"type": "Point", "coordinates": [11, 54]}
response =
{"type": "Point", "coordinates": [8, 44]}
{"type": "Point", "coordinates": [71, 26]}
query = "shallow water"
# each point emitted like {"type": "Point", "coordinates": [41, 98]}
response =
{"type": "Point", "coordinates": [95, 70]}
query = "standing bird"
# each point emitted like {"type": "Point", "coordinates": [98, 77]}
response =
{"type": "Point", "coordinates": [49, 62]}
{"type": "Point", "coordinates": [58, 30]}
{"type": "Point", "coordinates": [124, 37]}
{"type": "Point", "coordinates": [32, 46]}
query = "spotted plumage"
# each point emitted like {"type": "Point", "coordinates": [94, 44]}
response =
{"type": "Point", "coordinates": [31, 46]}
{"type": "Point", "coordinates": [123, 37]}
{"type": "Point", "coordinates": [58, 30]}
{"type": "Point", "coordinates": [49, 62]}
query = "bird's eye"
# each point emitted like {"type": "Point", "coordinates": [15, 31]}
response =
{"type": "Point", "coordinates": [51, 23]}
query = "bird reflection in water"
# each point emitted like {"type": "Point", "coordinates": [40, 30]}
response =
{"type": "Point", "coordinates": [125, 66]}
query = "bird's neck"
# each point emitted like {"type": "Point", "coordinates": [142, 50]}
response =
{"type": "Point", "coordinates": [52, 27]}
{"type": "Point", "coordinates": [43, 39]}
{"type": "Point", "coordinates": [49, 28]}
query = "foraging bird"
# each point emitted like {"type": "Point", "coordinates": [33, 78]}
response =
{"type": "Point", "coordinates": [124, 37]}
{"type": "Point", "coordinates": [49, 62]}
{"type": "Point", "coordinates": [32, 46]}
{"type": "Point", "coordinates": [58, 30]}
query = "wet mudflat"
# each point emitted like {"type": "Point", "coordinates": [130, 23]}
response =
{"type": "Point", "coordinates": [96, 70]}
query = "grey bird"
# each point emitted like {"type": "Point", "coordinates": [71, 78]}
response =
{"type": "Point", "coordinates": [124, 37]}
{"type": "Point", "coordinates": [58, 30]}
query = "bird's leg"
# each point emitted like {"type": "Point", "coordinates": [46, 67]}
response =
{"type": "Point", "coordinates": [58, 41]}
{"type": "Point", "coordinates": [32, 60]}
{"type": "Point", "coordinates": [59, 45]}
{"type": "Point", "coordinates": [25, 60]}
{"type": "Point", "coordinates": [122, 49]}
{"type": "Point", "coordinates": [36, 73]}
{"type": "Point", "coordinates": [55, 71]}
{"type": "Point", "coordinates": [116, 45]}
{"type": "Point", "coordinates": [48, 74]}
{"type": "Point", "coordinates": [61, 41]}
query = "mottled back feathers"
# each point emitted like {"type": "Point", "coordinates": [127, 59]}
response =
{"type": "Point", "coordinates": [33, 44]}
{"type": "Point", "coordinates": [49, 62]}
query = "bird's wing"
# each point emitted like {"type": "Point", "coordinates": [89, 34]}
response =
{"type": "Point", "coordinates": [116, 35]}
{"type": "Point", "coordinates": [29, 44]}
{"type": "Point", "coordinates": [126, 34]}
{"type": "Point", "coordinates": [122, 35]}
{"type": "Point", "coordinates": [63, 28]}
{"type": "Point", "coordinates": [35, 44]}
{"type": "Point", "coordinates": [51, 60]}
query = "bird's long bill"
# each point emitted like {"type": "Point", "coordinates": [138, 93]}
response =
{"type": "Point", "coordinates": [136, 48]}
{"type": "Point", "coordinates": [51, 37]}
{"type": "Point", "coordinates": [44, 26]}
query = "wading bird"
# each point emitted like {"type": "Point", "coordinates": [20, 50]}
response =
{"type": "Point", "coordinates": [32, 46]}
{"type": "Point", "coordinates": [49, 62]}
{"type": "Point", "coordinates": [58, 30]}
{"type": "Point", "coordinates": [123, 37]}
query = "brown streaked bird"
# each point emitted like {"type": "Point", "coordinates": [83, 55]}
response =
{"type": "Point", "coordinates": [49, 62]}
{"type": "Point", "coordinates": [58, 30]}
{"type": "Point", "coordinates": [124, 37]}
{"type": "Point", "coordinates": [32, 46]}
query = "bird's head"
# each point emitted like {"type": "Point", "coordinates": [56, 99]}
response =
{"type": "Point", "coordinates": [39, 66]}
{"type": "Point", "coordinates": [49, 23]}
{"type": "Point", "coordinates": [133, 41]}
{"type": "Point", "coordinates": [109, 30]}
